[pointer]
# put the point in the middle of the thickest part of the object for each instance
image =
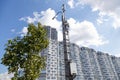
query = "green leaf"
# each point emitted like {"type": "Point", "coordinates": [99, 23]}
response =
{"type": "Point", "coordinates": [23, 53]}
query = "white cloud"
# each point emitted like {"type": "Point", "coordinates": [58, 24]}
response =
{"type": "Point", "coordinates": [12, 30]}
{"type": "Point", "coordinates": [109, 8]}
{"type": "Point", "coordinates": [6, 76]}
{"type": "Point", "coordinates": [28, 19]}
{"type": "Point", "coordinates": [71, 3]}
{"type": "Point", "coordinates": [83, 33]}
{"type": "Point", "coordinates": [117, 54]}
{"type": "Point", "coordinates": [24, 31]}
{"type": "Point", "coordinates": [45, 17]}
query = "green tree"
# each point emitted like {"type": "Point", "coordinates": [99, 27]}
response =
{"type": "Point", "coordinates": [22, 54]}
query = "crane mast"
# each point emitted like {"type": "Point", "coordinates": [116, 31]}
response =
{"type": "Point", "coordinates": [70, 73]}
{"type": "Point", "coordinates": [66, 44]}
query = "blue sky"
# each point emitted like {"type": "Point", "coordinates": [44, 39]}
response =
{"type": "Point", "coordinates": [94, 24]}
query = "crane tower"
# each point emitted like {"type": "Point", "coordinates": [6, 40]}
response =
{"type": "Point", "coordinates": [70, 68]}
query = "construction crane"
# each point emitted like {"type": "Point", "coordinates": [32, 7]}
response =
{"type": "Point", "coordinates": [70, 67]}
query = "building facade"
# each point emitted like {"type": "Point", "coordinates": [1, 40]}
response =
{"type": "Point", "coordinates": [91, 65]}
{"type": "Point", "coordinates": [51, 54]}
{"type": "Point", "coordinates": [116, 64]}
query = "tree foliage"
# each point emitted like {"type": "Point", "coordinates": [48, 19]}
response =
{"type": "Point", "coordinates": [22, 54]}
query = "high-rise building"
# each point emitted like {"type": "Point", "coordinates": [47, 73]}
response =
{"type": "Point", "coordinates": [51, 54]}
{"type": "Point", "coordinates": [61, 64]}
{"type": "Point", "coordinates": [106, 66]}
{"type": "Point", "coordinates": [116, 64]}
{"type": "Point", "coordinates": [74, 56]}
{"type": "Point", "coordinates": [91, 65]}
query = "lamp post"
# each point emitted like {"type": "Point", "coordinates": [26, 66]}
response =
{"type": "Point", "coordinates": [70, 68]}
